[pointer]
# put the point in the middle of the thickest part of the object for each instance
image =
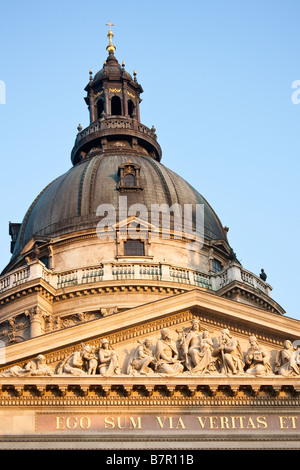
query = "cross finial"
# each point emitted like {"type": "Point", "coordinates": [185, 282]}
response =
{"type": "Point", "coordinates": [109, 24]}
{"type": "Point", "coordinates": [110, 48]}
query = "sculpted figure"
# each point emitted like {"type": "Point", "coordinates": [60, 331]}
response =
{"type": "Point", "coordinates": [287, 360]}
{"type": "Point", "coordinates": [37, 367]}
{"type": "Point", "coordinates": [73, 364]}
{"type": "Point", "coordinates": [92, 360]}
{"type": "Point", "coordinates": [141, 359]}
{"type": "Point", "coordinates": [257, 359]}
{"type": "Point", "coordinates": [108, 360]}
{"type": "Point", "coordinates": [166, 355]}
{"type": "Point", "coordinates": [229, 354]}
{"type": "Point", "coordinates": [197, 349]}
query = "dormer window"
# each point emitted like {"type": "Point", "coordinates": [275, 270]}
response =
{"type": "Point", "coordinates": [129, 177]}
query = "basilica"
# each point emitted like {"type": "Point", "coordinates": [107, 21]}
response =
{"type": "Point", "coordinates": [126, 319]}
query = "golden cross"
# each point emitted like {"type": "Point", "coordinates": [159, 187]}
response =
{"type": "Point", "coordinates": [109, 24]}
{"type": "Point", "coordinates": [110, 48]}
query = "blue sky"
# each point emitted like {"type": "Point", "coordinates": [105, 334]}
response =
{"type": "Point", "coordinates": [217, 78]}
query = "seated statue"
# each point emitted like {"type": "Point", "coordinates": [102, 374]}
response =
{"type": "Point", "coordinates": [166, 355]}
{"type": "Point", "coordinates": [229, 356]}
{"type": "Point", "coordinates": [287, 360]}
{"type": "Point", "coordinates": [257, 359]}
{"type": "Point", "coordinates": [141, 359]}
{"type": "Point", "coordinates": [73, 364]}
{"type": "Point", "coordinates": [197, 347]}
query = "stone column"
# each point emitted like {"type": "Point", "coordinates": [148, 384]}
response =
{"type": "Point", "coordinates": [36, 316]}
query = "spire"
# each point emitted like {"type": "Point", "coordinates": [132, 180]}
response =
{"type": "Point", "coordinates": [110, 48]}
{"type": "Point", "coordinates": [113, 100]}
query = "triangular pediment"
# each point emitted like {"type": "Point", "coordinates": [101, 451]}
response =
{"type": "Point", "coordinates": [126, 331]}
{"type": "Point", "coordinates": [133, 222]}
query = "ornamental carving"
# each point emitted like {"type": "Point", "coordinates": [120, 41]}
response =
{"type": "Point", "coordinates": [195, 352]}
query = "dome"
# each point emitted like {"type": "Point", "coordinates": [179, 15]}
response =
{"type": "Point", "coordinates": [115, 155]}
{"type": "Point", "coordinates": [70, 202]}
{"type": "Point", "coordinates": [113, 70]}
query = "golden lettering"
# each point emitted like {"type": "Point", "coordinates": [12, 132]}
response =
{"type": "Point", "coordinates": [123, 422]}
{"type": "Point", "coordinates": [261, 421]}
{"type": "Point", "coordinates": [202, 421]}
{"type": "Point", "coordinates": [85, 422]}
{"type": "Point", "coordinates": [224, 422]}
{"type": "Point", "coordinates": [119, 422]}
{"type": "Point", "coordinates": [72, 422]}
{"type": "Point", "coordinates": [232, 422]}
{"type": "Point", "coordinates": [135, 424]}
{"type": "Point", "coordinates": [60, 422]}
{"type": "Point", "coordinates": [180, 424]}
{"type": "Point", "coordinates": [109, 422]}
{"type": "Point", "coordinates": [285, 421]}
{"type": "Point", "coordinates": [233, 426]}
{"type": "Point", "coordinates": [250, 424]}
{"type": "Point", "coordinates": [212, 422]}
{"type": "Point", "coordinates": [170, 422]}
{"type": "Point", "coordinates": [161, 422]}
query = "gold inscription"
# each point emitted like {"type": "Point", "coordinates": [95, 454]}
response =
{"type": "Point", "coordinates": [123, 422]}
{"type": "Point", "coordinates": [287, 422]}
{"type": "Point", "coordinates": [214, 423]}
{"type": "Point", "coordinates": [72, 422]}
{"type": "Point", "coordinates": [170, 422]}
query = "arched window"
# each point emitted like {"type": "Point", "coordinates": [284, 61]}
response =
{"type": "Point", "coordinates": [116, 106]}
{"type": "Point", "coordinates": [129, 180]}
{"type": "Point", "coordinates": [100, 108]}
{"type": "Point", "coordinates": [130, 108]}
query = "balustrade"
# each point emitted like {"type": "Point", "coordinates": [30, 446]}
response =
{"type": "Point", "coordinates": [134, 270]}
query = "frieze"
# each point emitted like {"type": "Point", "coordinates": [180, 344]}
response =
{"type": "Point", "coordinates": [196, 351]}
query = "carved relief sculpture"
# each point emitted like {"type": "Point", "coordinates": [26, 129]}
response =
{"type": "Point", "coordinates": [142, 359]}
{"type": "Point", "coordinates": [257, 359]}
{"type": "Point", "coordinates": [166, 355]}
{"type": "Point", "coordinates": [229, 354]}
{"type": "Point", "coordinates": [74, 363]}
{"type": "Point", "coordinates": [197, 349]}
{"type": "Point", "coordinates": [287, 361]}
{"type": "Point", "coordinates": [108, 359]}
{"type": "Point", "coordinates": [194, 353]}
{"type": "Point", "coordinates": [37, 367]}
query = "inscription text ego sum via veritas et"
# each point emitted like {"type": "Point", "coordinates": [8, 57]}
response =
{"type": "Point", "coordinates": [97, 422]}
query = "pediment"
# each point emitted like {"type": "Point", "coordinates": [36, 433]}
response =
{"type": "Point", "coordinates": [132, 222]}
{"type": "Point", "coordinates": [125, 332]}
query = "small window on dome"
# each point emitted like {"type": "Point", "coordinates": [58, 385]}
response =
{"type": "Point", "coordinates": [217, 266]}
{"type": "Point", "coordinates": [134, 248]}
{"type": "Point", "coordinates": [129, 177]}
{"type": "Point", "coordinates": [129, 180]}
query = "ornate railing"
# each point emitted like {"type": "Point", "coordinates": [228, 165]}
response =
{"type": "Point", "coordinates": [133, 271]}
{"type": "Point", "coordinates": [119, 122]}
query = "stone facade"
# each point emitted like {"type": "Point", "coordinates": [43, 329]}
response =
{"type": "Point", "coordinates": [165, 343]}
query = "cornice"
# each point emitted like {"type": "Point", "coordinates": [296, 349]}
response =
{"type": "Point", "coordinates": [145, 391]}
